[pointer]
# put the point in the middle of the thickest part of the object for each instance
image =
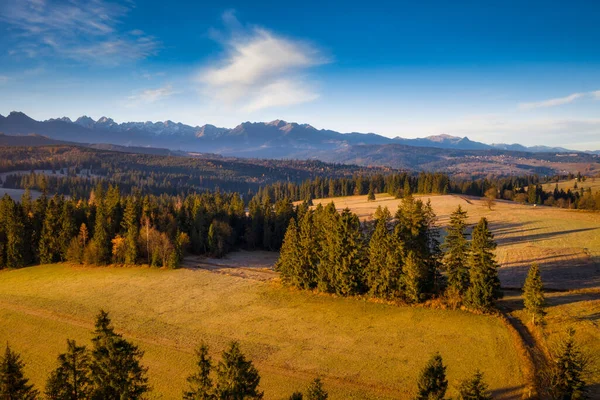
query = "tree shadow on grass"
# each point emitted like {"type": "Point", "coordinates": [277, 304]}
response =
{"type": "Point", "coordinates": [509, 393]}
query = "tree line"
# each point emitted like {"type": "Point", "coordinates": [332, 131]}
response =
{"type": "Point", "coordinates": [112, 369]}
{"type": "Point", "coordinates": [110, 227]}
{"type": "Point", "coordinates": [392, 258]}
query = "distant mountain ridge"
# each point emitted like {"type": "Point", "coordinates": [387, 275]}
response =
{"type": "Point", "coordinates": [275, 139]}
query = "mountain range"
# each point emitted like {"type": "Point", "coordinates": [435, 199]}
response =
{"type": "Point", "coordinates": [275, 139]}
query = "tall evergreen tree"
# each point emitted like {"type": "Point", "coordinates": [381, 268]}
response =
{"type": "Point", "coordinates": [316, 390]}
{"type": "Point", "coordinates": [68, 229]}
{"type": "Point", "coordinates": [289, 256]}
{"type": "Point", "coordinates": [484, 285]}
{"type": "Point", "coordinates": [12, 230]}
{"type": "Point", "coordinates": [567, 369]}
{"type": "Point", "coordinates": [456, 252]}
{"type": "Point", "coordinates": [474, 388]}
{"type": "Point", "coordinates": [102, 239]}
{"type": "Point", "coordinates": [348, 279]}
{"type": "Point", "coordinates": [200, 383]}
{"type": "Point", "coordinates": [71, 379]}
{"type": "Point", "coordinates": [130, 225]}
{"type": "Point", "coordinates": [533, 294]}
{"type": "Point", "coordinates": [237, 378]}
{"type": "Point", "coordinates": [413, 277]}
{"type": "Point", "coordinates": [50, 245]}
{"type": "Point", "coordinates": [115, 364]}
{"type": "Point", "coordinates": [432, 383]}
{"type": "Point", "coordinates": [384, 267]}
{"type": "Point", "coordinates": [13, 384]}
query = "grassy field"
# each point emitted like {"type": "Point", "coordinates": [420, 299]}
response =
{"type": "Point", "coordinates": [593, 183]}
{"type": "Point", "coordinates": [566, 243]}
{"type": "Point", "coordinates": [578, 309]}
{"type": "Point", "coordinates": [362, 349]}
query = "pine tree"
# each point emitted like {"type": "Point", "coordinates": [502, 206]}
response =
{"type": "Point", "coordinates": [306, 267]}
{"type": "Point", "coordinates": [567, 369]}
{"type": "Point", "coordinates": [12, 231]}
{"type": "Point", "coordinates": [68, 229]}
{"type": "Point", "coordinates": [200, 383]}
{"type": "Point", "coordinates": [115, 364]}
{"type": "Point", "coordinates": [316, 391]}
{"type": "Point", "coordinates": [70, 380]}
{"type": "Point", "coordinates": [371, 194]}
{"type": "Point", "coordinates": [102, 240]}
{"type": "Point", "coordinates": [347, 278]}
{"type": "Point", "coordinates": [50, 245]}
{"type": "Point", "coordinates": [296, 396]}
{"type": "Point", "coordinates": [432, 383]}
{"type": "Point", "coordinates": [130, 225]}
{"type": "Point", "coordinates": [13, 384]}
{"type": "Point", "coordinates": [484, 285]}
{"type": "Point", "coordinates": [237, 378]}
{"type": "Point", "coordinates": [456, 252]}
{"type": "Point", "coordinates": [474, 388]}
{"type": "Point", "coordinates": [413, 277]}
{"type": "Point", "coordinates": [384, 267]}
{"type": "Point", "coordinates": [289, 256]}
{"type": "Point", "coordinates": [533, 294]}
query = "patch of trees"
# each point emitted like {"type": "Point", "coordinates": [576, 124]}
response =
{"type": "Point", "coordinates": [394, 258]}
{"type": "Point", "coordinates": [109, 227]}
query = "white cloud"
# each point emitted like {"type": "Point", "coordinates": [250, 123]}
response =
{"type": "Point", "coordinates": [77, 29]}
{"type": "Point", "coordinates": [260, 69]}
{"type": "Point", "coordinates": [558, 101]}
{"type": "Point", "coordinates": [149, 96]}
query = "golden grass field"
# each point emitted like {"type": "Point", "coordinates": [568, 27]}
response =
{"type": "Point", "coordinates": [566, 245]}
{"type": "Point", "coordinates": [593, 183]}
{"type": "Point", "coordinates": [363, 350]}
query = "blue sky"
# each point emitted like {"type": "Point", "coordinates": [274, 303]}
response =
{"type": "Point", "coordinates": [496, 71]}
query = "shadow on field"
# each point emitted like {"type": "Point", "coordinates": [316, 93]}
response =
{"type": "Point", "coordinates": [509, 393]}
{"type": "Point", "coordinates": [513, 300]}
{"type": "Point", "coordinates": [539, 236]}
{"type": "Point", "coordinates": [592, 318]}
{"type": "Point", "coordinates": [557, 272]}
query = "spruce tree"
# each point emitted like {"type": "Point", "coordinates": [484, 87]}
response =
{"type": "Point", "coordinates": [12, 231]}
{"type": "Point", "coordinates": [568, 366]}
{"type": "Point", "coordinates": [432, 383]}
{"type": "Point", "coordinates": [68, 229]}
{"type": "Point", "coordinates": [306, 267]}
{"type": "Point", "coordinates": [115, 364]}
{"type": "Point", "coordinates": [289, 256]}
{"type": "Point", "coordinates": [533, 294]}
{"type": "Point", "coordinates": [50, 245]}
{"type": "Point", "coordinates": [71, 379]}
{"type": "Point", "coordinates": [371, 195]}
{"type": "Point", "coordinates": [13, 384]}
{"type": "Point", "coordinates": [130, 225]}
{"type": "Point", "coordinates": [383, 270]}
{"type": "Point", "coordinates": [474, 388]}
{"type": "Point", "coordinates": [316, 391]}
{"type": "Point", "coordinates": [296, 396]}
{"type": "Point", "coordinates": [347, 278]}
{"type": "Point", "coordinates": [484, 285]}
{"type": "Point", "coordinates": [200, 383]}
{"type": "Point", "coordinates": [102, 240]}
{"type": "Point", "coordinates": [413, 277]}
{"type": "Point", "coordinates": [456, 252]}
{"type": "Point", "coordinates": [237, 378]}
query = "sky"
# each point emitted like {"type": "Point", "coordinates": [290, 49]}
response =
{"type": "Point", "coordinates": [506, 71]}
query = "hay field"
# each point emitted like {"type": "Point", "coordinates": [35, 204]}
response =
{"type": "Point", "coordinates": [566, 243]}
{"type": "Point", "coordinates": [362, 349]}
{"type": "Point", "coordinates": [593, 183]}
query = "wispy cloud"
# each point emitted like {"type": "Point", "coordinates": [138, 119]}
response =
{"type": "Point", "coordinates": [558, 101]}
{"type": "Point", "coordinates": [260, 69]}
{"type": "Point", "coordinates": [149, 96]}
{"type": "Point", "coordinates": [76, 29]}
